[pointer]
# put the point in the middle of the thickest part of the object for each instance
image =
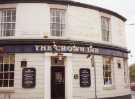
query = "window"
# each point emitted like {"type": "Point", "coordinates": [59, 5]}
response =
{"type": "Point", "coordinates": [119, 65]}
{"type": "Point", "coordinates": [126, 75]}
{"type": "Point", "coordinates": [57, 22]}
{"type": "Point", "coordinates": [107, 70]}
{"type": "Point", "coordinates": [7, 70]}
{"type": "Point", "coordinates": [7, 22]}
{"type": "Point", "coordinates": [105, 25]}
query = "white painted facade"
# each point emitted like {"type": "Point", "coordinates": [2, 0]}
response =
{"type": "Point", "coordinates": [73, 90]}
{"type": "Point", "coordinates": [33, 21]}
{"type": "Point", "coordinates": [83, 24]}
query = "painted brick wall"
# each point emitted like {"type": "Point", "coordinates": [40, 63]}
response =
{"type": "Point", "coordinates": [118, 89]}
{"type": "Point", "coordinates": [36, 61]}
{"type": "Point", "coordinates": [33, 21]}
{"type": "Point", "coordinates": [78, 61]}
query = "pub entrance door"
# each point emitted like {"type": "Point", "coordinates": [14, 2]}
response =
{"type": "Point", "coordinates": [58, 82]}
{"type": "Point", "coordinates": [57, 78]}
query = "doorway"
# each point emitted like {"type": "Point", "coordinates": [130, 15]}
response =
{"type": "Point", "coordinates": [57, 80]}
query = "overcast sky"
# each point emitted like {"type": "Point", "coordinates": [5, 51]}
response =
{"type": "Point", "coordinates": [127, 9]}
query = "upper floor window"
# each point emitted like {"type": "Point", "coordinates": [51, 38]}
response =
{"type": "Point", "coordinates": [7, 63]}
{"type": "Point", "coordinates": [57, 21]}
{"type": "Point", "coordinates": [7, 22]}
{"type": "Point", "coordinates": [107, 70]}
{"type": "Point", "coordinates": [105, 25]}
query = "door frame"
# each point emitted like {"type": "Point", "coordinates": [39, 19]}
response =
{"type": "Point", "coordinates": [57, 67]}
{"type": "Point", "coordinates": [68, 75]}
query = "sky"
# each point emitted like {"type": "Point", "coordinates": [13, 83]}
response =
{"type": "Point", "coordinates": [125, 8]}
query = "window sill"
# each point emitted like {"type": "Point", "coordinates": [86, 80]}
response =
{"type": "Point", "coordinates": [109, 87]}
{"type": "Point", "coordinates": [7, 37]}
{"type": "Point", "coordinates": [106, 42]}
{"type": "Point", "coordinates": [7, 90]}
{"type": "Point", "coordinates": [57, 37]}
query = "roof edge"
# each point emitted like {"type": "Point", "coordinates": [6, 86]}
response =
{"type": "Point", "coordinates": [98, 9]}
{"type": "Point", "coordinates": [67, 2]}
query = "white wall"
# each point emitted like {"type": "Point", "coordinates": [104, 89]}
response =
{"type": "Point", "coordinates": [36, 61]}
{"type": "Point", "coordinates": [118, 89]}
{"type": "Point", "coordinates": [33, 21]}
{"type": "Point", "coordinates": [80, 61]}
{"type": "Point", "coordinates": [83, 24]}
{"type": "Point", "coordinates": [118, 32]}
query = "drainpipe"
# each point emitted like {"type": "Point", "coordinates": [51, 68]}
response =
{"type": "Point", "coordinates": [93, 65]}
{"type": "Point", "coordinates": [95, 78]}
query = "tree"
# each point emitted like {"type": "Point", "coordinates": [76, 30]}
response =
{"type": "Point", "coordinates": [132, 72]}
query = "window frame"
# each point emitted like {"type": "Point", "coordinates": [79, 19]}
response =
{"type": "Point", "coordinates": [8, 74]}
{"type": "Point", "coordinates": [57, 23]}
{"type": "Point", "coordinates": [126, 72]}
{"type": "Point", "coordinates": [110, 83]}
{"type": "Point", "coordinates": [106, 29]}
{"type": "Point", "coordinates": [7, 22]}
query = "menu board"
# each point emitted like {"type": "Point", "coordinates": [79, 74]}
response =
{"type": "Point", "coordinates": [85, 77]}
{"type": "Point", "coordinates": [29, 77]}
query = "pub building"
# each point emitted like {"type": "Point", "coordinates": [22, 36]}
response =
{"type": "Point", "coordinates": [62, 49]}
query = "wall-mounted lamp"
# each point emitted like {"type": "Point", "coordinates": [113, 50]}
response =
{"type": "Point", "coordinates": [73, 46]}
{"type": "Point", "coordinates": [23, 63]}
{"type": "Point", "coordinates": [54, 47]}
{"type": "Point", "coordinates": [60, 56]}
{"type": "Point", "coordinates": [45, 35]}
{"type": "Point", "coordinates": [90, 55]}
{"type": "Point", "coordinates": [119, 65]}
{"type": "Point", "coordinates": [76, 76]}
{"type": "Point", "coordinates": [2, 50]}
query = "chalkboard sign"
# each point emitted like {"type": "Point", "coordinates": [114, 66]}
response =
{"type": "Point", "coordinates": [29, 78]}
{"type": "Point", "coordinates": [85, 77]}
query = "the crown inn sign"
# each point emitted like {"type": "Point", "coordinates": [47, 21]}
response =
{"type": "Point", "coordinates": [62, 49]}
{"type": "Point", "coordinates": [65, 49]}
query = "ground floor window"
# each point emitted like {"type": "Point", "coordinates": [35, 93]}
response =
{"type": "Point", "coordinates": [107, 70]}
{"type": "Point", "coordinates": [126, 75]}
{"type": "Point", "coordinates": [7, 62]}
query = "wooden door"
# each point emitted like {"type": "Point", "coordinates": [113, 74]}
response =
{"type": "Point", "coordinates": [58, 82]}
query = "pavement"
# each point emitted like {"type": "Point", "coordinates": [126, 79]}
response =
{"type": "Point", "coordinates": [133, 94]}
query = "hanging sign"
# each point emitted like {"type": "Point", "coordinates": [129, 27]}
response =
{"type": "Point", "coordinates": [29, 78]}
{"type": "Point", "coordinates": [85, 80]}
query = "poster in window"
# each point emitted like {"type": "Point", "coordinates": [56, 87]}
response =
{"type": "Point", "coordinates": [29, 78]}
{"type": "Point", "coordinates": [85, 79]}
